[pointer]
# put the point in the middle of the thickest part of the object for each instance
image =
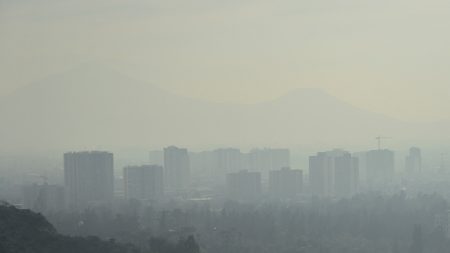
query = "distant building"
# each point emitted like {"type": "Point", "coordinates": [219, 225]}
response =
{"type": "Point", "coordinates": [267, 159]}
{"type": "Point", "coordinates": [43, 198]}
{"type": "Point", "coordinates": [285, 183]}
{"type": "Point", "coordinates": [346, 175]}
{"type": "Point", "coordinates": [413, 161]}
{"type": "Point", "coordinates": [89, 178]}
{"type": "Point", "coordinates": [380, 167]}
{"type": "Point", "coordinates": [333, 173]}
{"type": "Point", "coordinates": [213, 166]}
{"type": "Point", "coordinates": [362, 167]}
{"type": "Point", "coordinates": [321, 172]}
{"type": "Point", "coordinates": [225, 161]}
{"type": "Point", "coordinates": [244, 185]}
{"type": "Point", "coordinates": [202, 168]}
{"type": "Point", "coordinates": [144, 182]}
{"type": "Point", "coordinates": [177, 168]}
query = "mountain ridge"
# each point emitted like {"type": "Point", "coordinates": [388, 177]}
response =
{"type": "Point", "coordinates": [89, 107]}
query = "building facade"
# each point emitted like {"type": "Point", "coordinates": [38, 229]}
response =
{"type": "Point", "coordinates": [413, 161]}
{"type": "Point", "coordinates": [333, 174]}
{"type": "Point", "coordinates": [89, 178]}
{"type": "Point", "coordinates": [176, 168]}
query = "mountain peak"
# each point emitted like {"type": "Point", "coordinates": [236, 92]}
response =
{"type": "Point", "coordinates": [309, 95]}
{"type": "Point", "coordinates": [92, 105]}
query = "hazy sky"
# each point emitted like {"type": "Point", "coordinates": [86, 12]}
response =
{"type": "Point", "coordinates": [387, 56]}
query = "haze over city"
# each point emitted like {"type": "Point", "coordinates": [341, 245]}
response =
{"type": "Point", "coordinates": [196, 126]}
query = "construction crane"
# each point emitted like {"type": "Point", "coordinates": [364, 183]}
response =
{"type": "Point", "coordinates": [379, 138]}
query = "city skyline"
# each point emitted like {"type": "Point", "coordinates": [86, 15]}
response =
{"type": "Point", "coordinates": [214, 126]}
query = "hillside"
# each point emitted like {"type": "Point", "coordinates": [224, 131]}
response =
{"type": "Point", "coordinates": [23, 231]}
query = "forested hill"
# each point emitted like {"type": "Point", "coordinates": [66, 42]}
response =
{"type": "Point", "coordinates": [26, 231]}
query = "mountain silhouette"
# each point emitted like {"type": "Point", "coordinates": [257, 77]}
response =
{"type": "Point", "coordinates": [92, 106]}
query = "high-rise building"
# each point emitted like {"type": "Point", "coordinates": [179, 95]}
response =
{"type": "Point", "coordinates": [202, 168]}
{"type": "Point", "coordinates": [267, 159]}
{"type": "Point", "coordinates": [346, 175]}
{"type": "Point", "coordinates": [244, 185]}
{"type": "Point", "coordinates": [89, 178]}
{"type": "Point", "coordinates": [333, 173]}
{"type": "Point", "coordinates": [213, 166]}
{"type": "Point", "coordinates": [177, 168]}
{"type": "Point", "coordinates": [413, 161]}
{"type": "Point", "coordinates": [144, 182]}
{"type": "Point", "coordinates": [321, 173]}
{"type": "Point", "coordinates": [362, 167]}
{"type": "Point", "coordinates": [225, 161]}
{"type": "Point", "coordinates": [380, 168]}
{"type": "Point", "coordinates": [285, 183]}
